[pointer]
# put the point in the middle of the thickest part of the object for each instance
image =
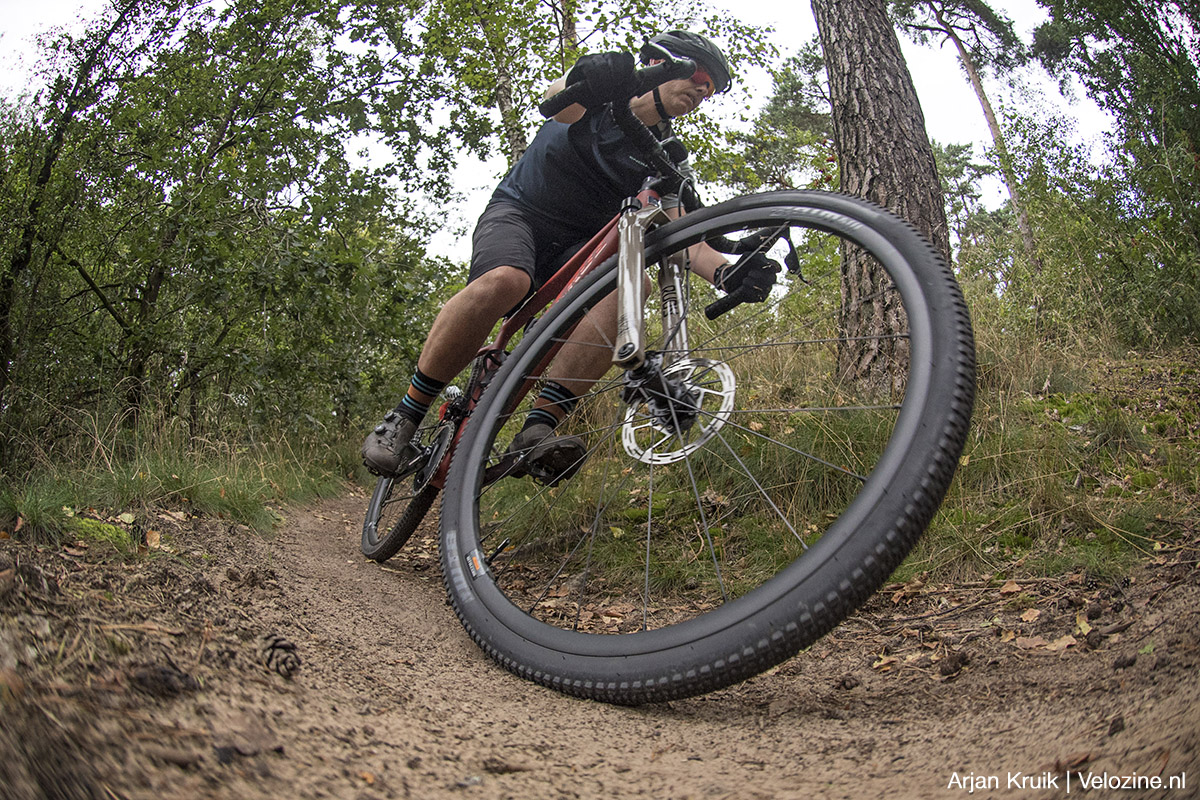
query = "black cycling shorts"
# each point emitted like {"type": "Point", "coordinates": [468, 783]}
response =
{"type": "Point", "coordinates": [509, 236]}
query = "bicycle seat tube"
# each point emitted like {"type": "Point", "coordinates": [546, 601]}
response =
{"type": "Point", "coordinates": [637, 217]}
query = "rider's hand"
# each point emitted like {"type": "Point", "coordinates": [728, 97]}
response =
{"type": "Point", "coordinates": [756, 275]}
{"type": "Point", "coordinates": [609, 77]}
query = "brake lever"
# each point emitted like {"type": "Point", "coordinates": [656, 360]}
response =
{"type": "Point", "coordinates": [792, 259]}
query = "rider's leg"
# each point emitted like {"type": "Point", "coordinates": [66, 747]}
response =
{"type": "Point", "coordinates": [460, 329]}
{"type": "Point", "coordinates": [464, 323]}
{"type": "Point", "coordinates": [583, 360]}
{"type": "Point", "coordinates": [587, 355]}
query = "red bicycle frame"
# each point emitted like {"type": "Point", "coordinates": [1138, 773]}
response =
{"type": "Point", "coordinates": [599, 249]}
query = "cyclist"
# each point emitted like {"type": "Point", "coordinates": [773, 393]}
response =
{"type": "Point", "coordinates": [570, 182]}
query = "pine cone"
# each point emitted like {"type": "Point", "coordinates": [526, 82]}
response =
{"type": "Point", "coordinates": [278, 655]}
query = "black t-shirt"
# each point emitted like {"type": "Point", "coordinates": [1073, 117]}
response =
{"type": "Point", "coordinates": [576, 176]}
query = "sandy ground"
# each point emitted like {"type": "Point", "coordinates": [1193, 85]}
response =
{"type": "Point", "coordinates": [152, 679]}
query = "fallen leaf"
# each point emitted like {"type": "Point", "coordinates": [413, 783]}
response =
{"type": "Point", "coordinates": [1008, 636]}
{"type": "Point", "coordinates": [153, 540]}
{"type": "Point", "coordinates": [885, 663]}
{"type": "Point", "coordinates": [1062, 643]}
{"type": "Point", "coordinates": [127, 518]}
{"type": "Point", "coordinates": [1081, 623]}
{"type": "Point", "coordinates": [910, 589]}
{"type": "Point", "coordinates": [1031, 642]}
{"type": "Point", "coordinates": [368, 778]}
{"type": "Point", "coordinates": [1010, 588]}
{"type": "Point", "coordinates": [1031, 615]}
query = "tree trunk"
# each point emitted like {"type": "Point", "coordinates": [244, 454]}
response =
{"type": "Point", "coordinates": [989, 114]}
{"type": "Point", "coordinates": [884, 156]}
{"type": "Point", "coordinates": [568, 36]}
{"type": "Point", "coordinates": [515, 140]}
{"type": "Point", "coordinates": [513, 131]}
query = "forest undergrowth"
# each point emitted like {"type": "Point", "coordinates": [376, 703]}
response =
{"type": "Point", "coordinates": [1074, 464]}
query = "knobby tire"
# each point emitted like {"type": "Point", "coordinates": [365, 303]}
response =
{"type": "Point", "coordinates": [684, 557]}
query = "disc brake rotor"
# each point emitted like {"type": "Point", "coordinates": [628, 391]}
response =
{"type": "Point", "coordinates": [711, 384]}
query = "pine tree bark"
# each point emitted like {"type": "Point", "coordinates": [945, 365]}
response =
{"type": "Point", "coordinates": [884, 156]}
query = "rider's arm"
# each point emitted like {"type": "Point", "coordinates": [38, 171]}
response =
{"type": "Point", "coordinates": [602, 78]}
{"type": "Point", "coordinates": [570, 114]}
{"type": "Point", "coordinates": [702, 259]}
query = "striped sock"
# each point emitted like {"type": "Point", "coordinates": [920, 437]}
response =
{"type": "Point", "coordinates": [555, 394]}
{"type": "Point", "coordinates": [414, 409]}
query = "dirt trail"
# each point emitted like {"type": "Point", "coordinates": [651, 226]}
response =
{"type": "Point", "coordinates": [146, 681]}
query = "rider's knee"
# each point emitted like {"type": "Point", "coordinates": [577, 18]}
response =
{"type": "Point", "coordinates": [505, 286]}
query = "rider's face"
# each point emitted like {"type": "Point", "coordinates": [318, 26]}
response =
{"type": "Point", "coordinates": [685, 95]}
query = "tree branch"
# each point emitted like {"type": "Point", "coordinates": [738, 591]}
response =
{"type": "Point", "coordinates": [96, 290]}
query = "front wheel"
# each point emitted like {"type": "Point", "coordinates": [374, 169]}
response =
{"type": "Point", "coordinates": [745, 491]}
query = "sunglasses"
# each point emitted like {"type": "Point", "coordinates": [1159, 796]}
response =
{"type": "Point", "coordinates": [702, 78]}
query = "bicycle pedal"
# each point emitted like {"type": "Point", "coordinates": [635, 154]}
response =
{"type": "Point", "coordinates": [507, 467]}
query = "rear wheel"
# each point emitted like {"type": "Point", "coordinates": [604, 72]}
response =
{"type": "Point", "coordinates": [393, 514]}
{"type": "Point", "coordinates": [739, 497]}
{"type": "Point", "coordinates": [398, 505]}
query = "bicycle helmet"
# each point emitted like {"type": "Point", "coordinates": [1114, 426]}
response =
{"type": "Point", "coordinates": [700, 49]}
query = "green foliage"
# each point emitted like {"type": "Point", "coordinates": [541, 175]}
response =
{"type": "Point", "coordinates": [491, 61]}
{"type": "Point", "coordinates": [1072, 475]}
{"type": "Point", "coordinates": [1135, 223]}
{"type": "Point", "coordinates": [101, 494]}
{"type": "Point", "coordinates": [1119, 265]}
{"type": "Point", "coordinates": [988, 35]}
{"type": "Point", "coordinates": [961, 175]}
{"type": "Point", "coordinates": [194, 240]}
{"type": "Point", "coordinates": [790, 143]}
{"type": "Point", "coordinates": [1137, 59]}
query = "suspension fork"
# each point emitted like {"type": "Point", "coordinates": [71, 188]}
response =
{"type": "Point", "coordinates": [671, 287]}
{"type": "Point", "coordinates": [636, 218]}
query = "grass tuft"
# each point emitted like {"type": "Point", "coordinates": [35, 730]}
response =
{"type": "Point", "coordinates": [59, 503]}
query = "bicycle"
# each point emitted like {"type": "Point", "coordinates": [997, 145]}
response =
{"type": "Point", "coordinates": [737, 499]}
